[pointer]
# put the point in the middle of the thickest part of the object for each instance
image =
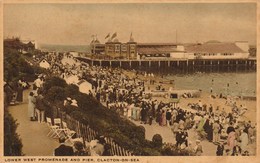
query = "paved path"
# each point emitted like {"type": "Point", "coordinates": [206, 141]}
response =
{"type": "Point", "coordinates": [33, 134]}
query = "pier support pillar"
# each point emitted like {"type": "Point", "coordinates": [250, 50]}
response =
{"type": "Point", "coordinates": [100, 63]}
{"type": "Point", "coordinates": [149, 63]}
{"type": "Point", "coordinates": [159, 63]}
{"type": "Point", "coordinates": [120, 63]}
{"type": "Point", "coordinates": [236, 66]}
{"type": "Point", "coordinates": [178, 63]}
{"type": "Point", "coordinates": [92, 62]}
{"type": "Point", "coordinates": [130, 64]}
{"type": "Point", "coordinates": [169, 63]}
{"type": "Point", "coordinates": [110, 63]}
{"type": "Point", "coordinates": [140, 64]}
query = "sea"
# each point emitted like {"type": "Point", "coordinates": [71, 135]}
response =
{"type": "Point", "coordinates": [232, 83]}
{"type": "Point", "coordinates": [64, 48]}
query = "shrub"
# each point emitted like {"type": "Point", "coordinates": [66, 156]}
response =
{"type": "Point", "coordinates": [86, 102]}
{"type": "Point", "coordinates": [55, 94]}
{"type": "Point", "coordinates": [157, 140]}
{"type": "Point", "coordinates": [53, 81]}
{"type": "Point", "coordinates": [12, 142]}
{"type": "Point", "coordinates": [172, 150]}
{"type": "Point", "coordinates": [71, 90]}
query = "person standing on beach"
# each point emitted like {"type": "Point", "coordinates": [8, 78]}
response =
{"type": "Point", "coordinates": [220, 150]}
{"type": "Point", "coordinates": [168, 117]}
{"type": "Point", "coordinates": [244, 140]}
{"type": "Point", "coordinates": [216, 128]}
{"type": "Point", "coordinates": [231, 140]}
{"type": "Point", "coordinates": [198, 148]}
{"type": "Point", "coordinates": [163, 118]}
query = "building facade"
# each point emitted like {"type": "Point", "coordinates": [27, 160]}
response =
{"type": "Point", "coordinates": [133, 50]}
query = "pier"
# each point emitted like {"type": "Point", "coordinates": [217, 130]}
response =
{"type": "Point", "coordinates": [177, 65]}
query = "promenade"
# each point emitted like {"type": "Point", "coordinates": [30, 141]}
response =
{"type": "Point", "coordinates": [33, 134]}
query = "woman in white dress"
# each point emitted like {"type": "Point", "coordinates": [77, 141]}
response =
{"type": "Point", "coordinates": [31, 106]}
{"type": "Point", "coordinates": [244, 141]}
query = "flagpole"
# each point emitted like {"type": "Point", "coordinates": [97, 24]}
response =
{"type": "Point", "coordinates": [176, 36]}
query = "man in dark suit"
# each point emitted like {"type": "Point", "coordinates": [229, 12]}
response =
{"type": "Point", "coordinates": [63, 150]}
{"type": "Point", "coordinates": [178, 138]}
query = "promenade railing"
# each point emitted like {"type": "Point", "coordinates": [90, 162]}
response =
{"type": "Point", "coordinates": [87, 134]}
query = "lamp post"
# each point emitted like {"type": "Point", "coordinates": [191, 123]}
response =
{"type": "Point", "coordinates": [211, 88]}
{"type": "Point", "coordinates": [227, 89]}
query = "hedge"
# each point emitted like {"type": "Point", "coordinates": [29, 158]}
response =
{"type": "Point", "coordinates": [90, 112]}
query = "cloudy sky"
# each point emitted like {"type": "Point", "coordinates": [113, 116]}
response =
{"type": "Point", "coordinates": [75, 23]}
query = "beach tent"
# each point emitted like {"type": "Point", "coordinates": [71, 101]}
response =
{"type": "Point", "coordinates": [72, 79]}
{"type": "Point", "coordinates": [84, 86]}
{"type": "Point", "coordinates": [69, 61]}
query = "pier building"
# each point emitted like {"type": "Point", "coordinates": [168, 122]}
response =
{"type": "Point", "coordinates": [114, 49]}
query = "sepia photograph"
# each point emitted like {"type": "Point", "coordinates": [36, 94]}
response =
{"type": "Point", "coordinates": [129, 80]}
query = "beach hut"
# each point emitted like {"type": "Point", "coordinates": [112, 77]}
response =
{"type": "Point", "coordinates": [44, 64]}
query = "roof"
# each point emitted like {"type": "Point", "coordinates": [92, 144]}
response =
{"type": "Point", "coordinates": [157, 44]}
{"type": "Point", "coordinates": [44, 60]}
{"type": "Point", "coordinates": [214, 47]}
{"type": "Point", "coordinates": [81, 81]}
{"type": "Point", "coordinates": [156, 50]}
{"type": "Point", "coordinates": [30, 44]}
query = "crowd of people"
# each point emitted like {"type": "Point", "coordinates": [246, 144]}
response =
{"type": "Point", "coordinates": [14, 91]}
{"type": "Point", "coordinates": [126, 95]}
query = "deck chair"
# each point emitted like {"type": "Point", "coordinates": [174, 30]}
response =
{"type": "Point", "coordinates": [68, 133]}
{"type": "Point", "coordinates": [52, 128]}
{"type": "Point", "coordinates": [58, 132]}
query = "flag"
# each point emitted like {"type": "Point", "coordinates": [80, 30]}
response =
{"type": "Point", "coordinates": [114, 35]}
{"type": "Point", "coordinates": [108, 35]}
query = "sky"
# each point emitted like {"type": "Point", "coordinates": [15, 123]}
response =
{"type": "Point", "coordinates": [74, 24]}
